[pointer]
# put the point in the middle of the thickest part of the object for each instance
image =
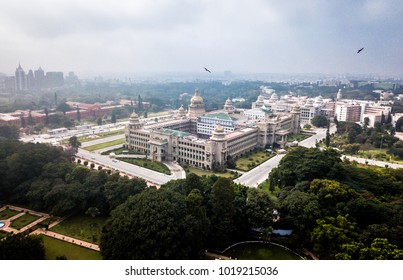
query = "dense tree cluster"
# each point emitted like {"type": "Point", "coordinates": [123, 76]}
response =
{"type": "Point", "coordinates": [341, 210]}
{"type": "Point", "coordinates": [43, 178]}
{"type": "Point", "coordinates": [319, 121]}
{"type": "Point", "coordinates": [184, 217]}
{"type": "Point", "coordinates": [22, 247]}
{"type": "Point", "coordinates": [9, 132]}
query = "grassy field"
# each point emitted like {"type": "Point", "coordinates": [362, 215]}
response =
{"type": "Point", "coordinates": [82, 227]}
{"type": "Point", "coordinates": [56, 248]}
{"type": "Point", "coordinates": [365, 152]}
{"type": "Point", "coordinates": [23, 221]}
{"type": "Point", "coordinates": [146, 163]}
{"type": "Point", "coordinates": [105, 145]}
{"type": "Point", "coordinates": [251, 160]}
{"type": "Point", "coordinates": [7, 214]}
{"type": "Point", "coordinates": [378, 154]}
{"type": "Point", "coordinates": [265, 186]}
{"type": "Point", "coordinates": [297, 137]}
{"type": "Point", "coordinates": [201, 172]}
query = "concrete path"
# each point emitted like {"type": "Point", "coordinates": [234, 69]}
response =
{"type": "Point", "coordinates": [23, 211]}
{"type": "Point", "coordinates": [40, 230]}
{"type": "Point", "coordinates": [177, 172]}
{"type": "Point", "coordinates": [150, 176]}
{"type": "Point", "coordinates": [67, 239]}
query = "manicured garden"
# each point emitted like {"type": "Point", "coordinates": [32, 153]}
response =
{"type": "Point", "coordinates": [55, 248]}
{"type": "Point", "coordinates": [82, 227]}
{"type": "Point", "coordinates": [7, 214]}
{"type": "Point", "coordinates": [252, 159]}
{"type": "Point", "coordinates": [146, 163]}
{"type": "Point", "coordinates": [23, 221]}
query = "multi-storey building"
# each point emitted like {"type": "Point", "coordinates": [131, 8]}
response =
{"type": "Point", "coordinates": [205, 140]}
{"type": "Point", "coordinates": [20, 79]}
{"type": "Point", "coordinates": [348, 112]}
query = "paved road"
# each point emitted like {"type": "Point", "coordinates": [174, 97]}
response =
{"type": "Point", "coordinates": [374, 162]}
{"type": "Point", "coordinates": [133, 170]}
{"type": "Point", "coordinates": [259, 174]}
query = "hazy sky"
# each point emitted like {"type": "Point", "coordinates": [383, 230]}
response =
{"type": "Point", "coordinates": [131, 36]}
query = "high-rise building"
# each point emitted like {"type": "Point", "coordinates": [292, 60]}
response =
{"type": "Point", "coordinates": [30, 80]}
{"type": "Point", "coordinates": [39, 78]}
{"type": "Point", "coordinates": [20, 79]}
{"type": "Point", "coordinates": [54, 79]}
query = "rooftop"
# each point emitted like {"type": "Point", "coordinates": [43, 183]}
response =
{"type": "Point", "coordinates": [177, 133]}
{"type": "Point", "coordinates": [220, 116]}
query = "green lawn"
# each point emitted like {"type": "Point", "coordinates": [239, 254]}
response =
{"type": "Point", "coordinates": [378, 154]}
{"type": "Point", "coordinates": [105, 145]}
{"type": "Point", "coordinates": [23, 221]}
{"type": "Point", "coordinates": [297, 137]}
{"type": "Point", "coordinates": [111, 133]}
{"type": "Point", "coordinates": [201, 172]}
{"type": "Point", "coordinates": [7, 214]}
{"type": "Point", "coordinates": [265, 186]}
{"type": "Point", "coordinates": [82, 227]}
{"type": "Point", "coordinates": [146, 163]}
{"type": "Point", "coordinates": [55, 248]}
{"type": "Point", "coordinates": [252, 159]}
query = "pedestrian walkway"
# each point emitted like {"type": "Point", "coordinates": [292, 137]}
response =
{"type": "Point", "coordinates": [67, 239]}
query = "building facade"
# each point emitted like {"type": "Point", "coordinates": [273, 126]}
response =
{"type": "Point", "coordinates": [206, 140]}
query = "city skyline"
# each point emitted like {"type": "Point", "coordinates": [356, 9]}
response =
{"type": "Point", "coordinates": [97, 37]}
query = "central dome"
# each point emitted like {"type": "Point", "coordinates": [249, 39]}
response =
{"type": "Point", "coordinates": [196, 99]}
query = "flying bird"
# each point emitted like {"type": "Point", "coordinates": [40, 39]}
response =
{"type": "Point", "coordinates": [207, 70]}
{"type": "Point", "coordinates": [360, 50]}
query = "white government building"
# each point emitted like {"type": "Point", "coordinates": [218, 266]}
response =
{"type": "Point", "coordinates": [205, 139]}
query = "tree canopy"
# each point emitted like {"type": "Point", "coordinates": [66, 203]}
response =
{"type": "Point", "coordinates": [319, 121]}
{"type": "Point", "coordinates": [339, 209]}
{"type": "Point", "coordinates": [22, 247]}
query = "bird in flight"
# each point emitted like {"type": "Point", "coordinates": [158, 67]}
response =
{"type": "Point", "coordinates": [360, 50]}
{"type": "Point", "coordinates": [207, 70]}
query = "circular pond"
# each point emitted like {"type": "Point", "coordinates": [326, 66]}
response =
{"type": "Point", "coordinates": [260, 251]}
